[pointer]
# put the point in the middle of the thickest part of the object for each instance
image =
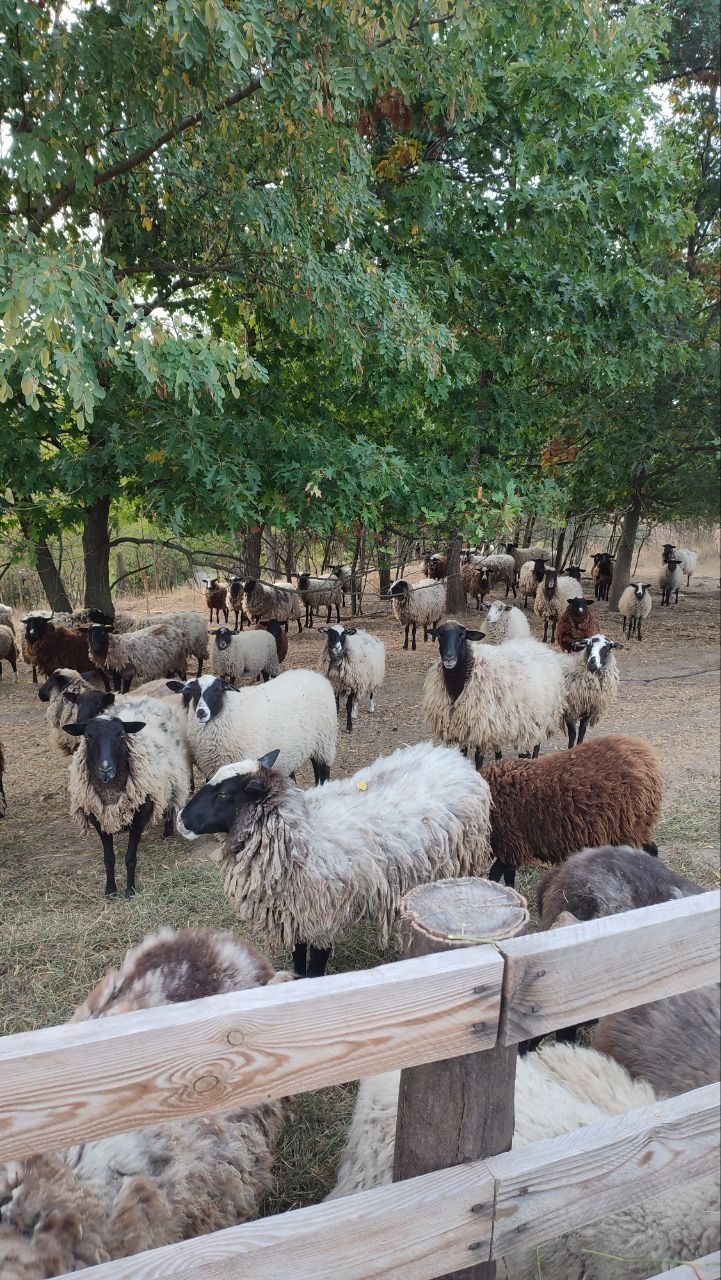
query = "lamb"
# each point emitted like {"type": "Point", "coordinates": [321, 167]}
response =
{"type": "Point", "coordinates": [604, 792]}
{"type": "Point", "coordinates": [505, 622]}
{"type": "Point", "coordinates": [161, 1184]}
{"type": "Point", "coordinates": [602, 574]}
{"type": "Point", "coordinates": [132, 767]}
{"type": "Point", "coordinates": [530, 578]}
{"type": "Point", "coordinates": [61, 709]}
{"type": "Point", "coordinates": [295, 712]}
{"type": "Point", "coordinates": [48, 645]}
{"type": "Point", "coordinates": [476, 583]}
{"type": "Point", "coordinates": [304, 867]}
{"type": "Point", "coordinates": [436, 566]}
{"type": "Point", "coordinates": [264, 600]}
{"type": "Point", "coordinates": [236, 601]}
{"type": "Point", "coordinates": [317, 593]}
{"type": "Point", "coordinates": [216, 598]}
{"type": "Point", "coordinates": [552, 597]}
{"type": "Point", "coordinates": [141, 655]}
{"type": "Point", "coordinates": [670, 578]}
{"type": "Point", "coordinates": [674, 1044]}
{"type": "Point", "coordinates": [557, 1091]}
{"type": "Point", "coordinates": [3, 800]}
{"type": "Point", "coordinates": [8, 649]}
{"type": "Point", "coordinates": [688, 559]}
{"type": "Point", "coordinates": [634, 607]}
{"type": "Point", "coordinates": [355, 663]}
{"type": "Point", "coordinates": [590, 685]}
{"type": "Point", "coordinates": [604, 881]}
{"type": "Point", "coordinates": [483, 697]}
{"type": "Point", "coordinates": [234, 656]}
{"type": "Point", "coordinates": [500, 568]}
{"type": "Point", "coordinates": [279, 635]}
{"type": "Point", "coordinates": [417, 604]}
{"type": "Point", "coordinates": [578, 622]}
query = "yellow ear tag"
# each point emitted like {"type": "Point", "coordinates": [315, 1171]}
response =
{"type": "Point", "coordinates": [362, 786]}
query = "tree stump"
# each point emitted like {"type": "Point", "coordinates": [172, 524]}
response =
{"type": "Point", "coordinates": [458, 1109]}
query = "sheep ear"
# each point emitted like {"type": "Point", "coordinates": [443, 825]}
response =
{"type": "Point", "coordinates": [175, 686]}
{"type": "Point", "coordinates": [71, 696]}
{"type": "Point", "coordinates": [268, 760]}
{"type": "Point", "coordinates": [254, 786]}
{"type": "Point", "coordinates": [475, 635]}
{"type": "Point", "coordinates": [324, 630]}
{"type": "Point", "coordinates": [133, 726]}
{"type": "Point", "coordinates": [75, 730]}
{"type": "Point", "coordinates": [351, 631]}
{"type": "Point", "coordinates": [579, 645]}
{"type": "Point", "coordinates": [616, 644]}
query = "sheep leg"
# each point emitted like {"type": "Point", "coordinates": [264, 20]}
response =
{"type": "Point", "coordinates": [199, 672]}
{"type": "Point", "coordinates": [571, 727]}
{"type": "Point", "coordinates": [509, 875]}
{"type": "Point", "coordinates": [513, 589]}
{"type": "Point", "coordinates": [497, 870]}
{"type": "Point", "coordinates": [141, 818]}
{"type": "Point", "coordinates": [117, 682]}
{"type": "Point", "coordinates": [582, 727]}
{"type": "Point", "coordinates": [536, 749]}
{"type": "Point", "coordinates": [168, 824]}
{"type": "Point", "coordinates": [371, 701]}
{"type": "Point", "coordinates": [676, 600]}
{"type": "Point", "coordinates": [638, 629]}
{"type": "Point", "coordinates": [35, 675]}
{"type": "Point", "coordinates": [226, 615]}
{"type": "Point", "coordinates": [337, 702]}
{"type": "Point", "coordinates": [413, 636]}
{"type": "Point", "coordinates": [624, 625]}
{"type": "Point", "coordinates": [321, 771]}
{"type": "Point", "coordinates": [337, 611]}
{"type": "Point", "coordinates": [317, 961]}
{"type": "Point", "coordinates": [300, 959]}
{"type": "Point", "coordinates": [125, 685]}
{"type": "Point", "coordinates": [265, 676]}
{"type": "Point", "coordinates": [330, 610]}
{"type": "Point", "coordinates": [477, 759]}
{"type": "Point", "coordinates": [349, 713]}
{"type": "Point", "coordinates": [111, 887]}
{"type": "Point", "coordinates": [553, 631]}
{"type": "Point", "coordinates": [405, 642]}
{"type": "Point", "coordinates": [545, 631]}
{"type": "Point", "coordinates": [300, 629]}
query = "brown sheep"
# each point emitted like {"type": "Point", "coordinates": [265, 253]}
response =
{"type": "Point", "coordinates": [602, 574]}
{"type": "Point", "coordinates": [476, 583]}
{"type": "Point", "coordinates": [47, 646]}
{"type": "Point", "coordinates": [675, 1043]}
{"type": "Point", "coordinates": [236, 601]}
{"type": "Point", "coordinates": [216, 598]}
{"type": "Point", "coordinates": [578, 622]}
{"type": "Point", "coordinates": [603, 792]}
{"type": "Point", "coordinates": [436, 566]}
{"type": "Point", "coordinates": [278, 633]}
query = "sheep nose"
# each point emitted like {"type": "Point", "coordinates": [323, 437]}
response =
{"type": "Point", "coordinates": [107, 771]}
{"type": "Point", "coordinates": [202, 715]}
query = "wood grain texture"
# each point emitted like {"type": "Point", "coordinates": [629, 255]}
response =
{"type": "Point", "coordinates": [708, 1268]}
{"type": "Point", "coordinates": [570, 975]}
{"type": "Point", "coordinates": [79, 1082]}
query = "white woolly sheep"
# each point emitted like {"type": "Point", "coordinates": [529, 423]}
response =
{"type": "Point", "coordinates": [634, 607]}
{"type": "Point", "coordinates": [304, 867]}
{"type": "Point", "coordinates": [141, 655]}
{"type": "Point", "coordinates": [8, 649]}
{"type": "Point", "coordinates": [417, 604]}
{"type": "Point", "coordinates": [557, 1090]}
{"type": "Point", "coordinates": [485, 697]}
{"type": "Point", "coordinates": [500, 568]}
{"type": "Point", "coordinates": [670, 579]}
{"type": "Point", "coordinates": [552, 597]}
{"type": "Point", "coordinates": [355, 663]}
{"type": "Point", "coordinates": [320, 593]}
{"type": "Point", "coordinates": [530, 578]}
{"type": "Point", "coordinates": [688, 559]}
{"type": "Point", "coordinates": [505, 622]}
{"type": "Point", "coordinates": [266, 601]}
{"type": "Point", "coordinates": [157, 1185]}
{"type": "Point", "coordinates": [296, 712]}
{"type": "Point", "coordinates": [590, 679]}
{"type": "Point", "coordinates": [252, 654]}
{"type": "Point", "coordinates": [132, 767]}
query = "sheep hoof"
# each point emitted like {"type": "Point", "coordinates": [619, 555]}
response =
{"type": "Point", "coordinates": [111, 893]}
{"type": "Point", "coordinates": [130, 893]}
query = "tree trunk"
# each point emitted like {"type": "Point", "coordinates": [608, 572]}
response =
{"type": "Point", "coordinates": [96, 556]}
{"type": "Point", "coordinates": [384, 565]}
{"type": "Point", "coordinates": [455, 596]}
{"type": "Point", "coordinates": [252, 554]}
{"type": "Point", "coordinates": [624, 556]}
{"type": "Point", "coordinates": [528, 531]}
{"type": "Point", "coordinates": [48, 573]}
{"type": "Point", "coordinates": [354, 579]}
{"type": "Point", "coordinates": [559, 546]}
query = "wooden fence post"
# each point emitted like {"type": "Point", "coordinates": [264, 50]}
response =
{"type": "Point", "coordinates": [457, 1109]}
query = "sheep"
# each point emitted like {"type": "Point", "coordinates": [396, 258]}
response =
{"type": "Point", "coordinates": [131, 768]}
{"type": "Point", "coordinates": [530, 578]}
{"type": "Point", "coordinates": [476, 583]}
{"type": "Point", "coordinates": [263, 601]}
{"type": "Point", "coordinates": [344, 574]}
{"type": "Point", "coordinates": [279, 635]}
{"type": "Point", "coordinates": [295, 712]}
{"type": "Point", "coordinates": [319, 592]}
{"type": "Point", "coordinates": [417, 603]}
{"type": "Point", "coordinates": [355, 663]}
{"type": "Point", "coordinates": [674, 1043]}
{"type": "Point", "coordinates": [163, 1183]}
{"type": "Point", "coordinates": [191, 625]}
{"type": "Point", "coordinates": [552, 596]}
{"type": "Point", "coordinates": [590, 685]}
{"type": "Point", "coordinates": [216, 598]}
{"type": "Point", "coordinates": [604, 881]}
{"type": "Point", "coordinates": [634, 607]}
{"type": "Point", "coordinates": [603, 792]}
{"type": "Point", "coordinates": [556, 1091]}
{"type": "Point", "coordinates": [574, 571]}
{"type": "Point", "coordinates": [61, 709]}
{"type": "Point", "coordinates": [3, 799]}
{"type": "Point", "coordinates": [436, 566]}
{"type": "Point", "coordinates": [304, 867]}
{"type": "Point", "coordinates": [8, 650]}
{"type": "Point", "coordinates": [602, 574]}
{"type": "Point", "coordinates": [234, 656]}
{"type": "Point", "coordinates": [482, 696]}
{"type": "Point", "coordinates": [577, 622]}
{"type": "Point", "coordinates": [670, 578]}
{"type": "Point", "coordinates": [505, 622]}
{"type": "Point", "coordinates": [236, 601]}
{"type": "Point", "coordinates": [525, 555]}
{"type": "Point", "coordinates": [688, 559]}
{"type": "Point", "coordinates": [141, 655]}
{"type": "Point", "coordinates": [48, 645]}
{"type": "Point", "coordinates": [500, 568]}
{"type": "Point", "coordinates": [6, 617]}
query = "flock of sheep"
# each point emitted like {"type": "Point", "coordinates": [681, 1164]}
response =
{"type": "Point", "coordinates": [303, 867]}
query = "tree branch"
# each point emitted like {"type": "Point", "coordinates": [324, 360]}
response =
{"type": "Point", "coordinates": [141, 569]}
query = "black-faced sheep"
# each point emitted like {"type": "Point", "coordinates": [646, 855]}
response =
{"type": "Point", "coordinates": [530, 578]}
{"type": "Point", "coordinates": [687, 558]}
{"type": "Point", "coordinates": [417, 604]}
{"type": "Point", "coordinates": [355, 663]}
{"type": "Point", "coordinates": [485, 697]}
{"type": "Point", "coordinates": [62, 709]}
{"type": "Point", "coordinates": [47, 646]}
{"type": "Point", "coordinates": [236, 601]}
{"type": "Point", "coordinates": [304, 867]}
{"type": "Point", "coordinates": [216, 598]}
{"type": "Point", "coordinates": [156, 651]}
{"type": "Point", "coordinates": [436, 566]}
{"type": "Point", "coordinates": [320, 593]}
{"type": "Point", "coordinates": [670, 580]}
{"type": "Point", "coordinates": [604, 792]}
{"type": "Point", "coordinates": [344, 574]}
{"type": "Point", "coordinates": [602, 574]}
{"type": "Point", "coordinates": [263, 601]}
{"type": "Point", "coordinates": [476, 583]}
{"type": "Point", "coordinates": [253, 654]}
{"type": "Point", "coordinates": [552, 597]}
{"type": "Point", "coordinates": [577, 622]}
{"type": "Point", "coordinates": [8, 649]}
{"type": "Point", "coordinates": [157, 1185]}
{"type": "Point", "coordinates": [279, 634]}
{"type": "Point", "coordinates": [634, 607]}
{"type": "Point", "coordinates": [591, 679]}
{"type": "Point", "coordinates": [500, 569]}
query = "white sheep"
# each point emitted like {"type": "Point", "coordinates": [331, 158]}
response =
{"type": "Point", "coordinates": [557, 1090]}
{"type": "Point", "coordinates": [687, 558]}
{"type": "Point", "coordinates": [265, 601]}
{"type": "Point", "coordinates": [552, 597]}
{"type": "Point", "coordinates": [484, 697]}
{"type": "Point", "coordinates": [252, 653]}
{"type": "Point", "coordinates": [500, 568]}
{"type": "Point", "coordinates": [141, 655]}
{"type": "Point", "coordinates": [417, 604]}
{"type": "Point", "coordinates": [8, 649]}
{"type": "Point", "coordinates": [634, 607]}
{"type": "Point", "coordinates": [304, 867]}
{"type": "Point", "coordinates": [136, 1191]}
{"type": "Point", "coordinates": [590, 685]}
{"type": "Point", "coordinates": [295, 712]}
{"type": "Point", "coordinates": [132, 767]}
{"type": "Point", "coordinates": [319, 593]}
{"type": "Point", "coordinates": [505, 622]}
{"type": "Point", "coordinates": [355, 663]}
{"type": "Point", "coordinates": [530, 578]}
{"type": "Point", "coordinates": [670, 579]}
{"type": "Point", "coordinates": [6, 617]}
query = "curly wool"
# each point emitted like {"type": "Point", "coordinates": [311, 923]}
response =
{"type": "Point", "coordinates": [423, 604]}
{"type": "Point", "coordinates": [309, 865]}
{"type": "Point", "coordinates": [571, 629]}
{"type": "Point", "coordinates": [505, 622]}
{"type": "Point", "coordinates": [265, 601]}
{"type": "Point", "coordinates": [670, 577]}
{"type": "Point", "coordinates": [559, 1089]}
{"type": "Point", "coordinates": [148, 654]}
{"type": "Point", "coordinates": [248, 654]}
{"type": "Point", "coordinates": [159, 769]}
{"type": "Point", "coordinates": [361, 667]}
{"type": "Point", "coordinates": [603, 792]}
{"type": "Point", "coordinates": [526, 555]}
{"type": "Point", "coordinates": [60, 711]}
{"type": "Point", "coordinates": [321, 591]}
{"type": "Point", "coordinates": [587, 693]}
{"type": "Point", "coordinates": [511, 698]}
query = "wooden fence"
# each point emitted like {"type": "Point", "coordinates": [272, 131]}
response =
{"type": "Point", "coordinates": [76, 1083]}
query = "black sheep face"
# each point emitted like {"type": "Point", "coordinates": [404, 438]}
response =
{"type": "Point", "coordinates": [55, 683]}
{"type": "Point", "coordinates": [640, 589]}
{"type": "Point", "coordinates": [107, 745]}
{"type": "Point", "coordinates": [36, 628]}
{"type": "Point", "coordinates": [98, 640]}
{"type": "Point", "coordinates": [337, 640]}
{"type": "Point", "coordinates": [231, 791]}
{"type": "Point", "coordinates": [205, 693]}
{"type": "Point", "coordinates": [578, 608]}
{"type": "Point", "coordinates": [223, 638]}
{"type": "Point", "coordinates": [399, 589]}
{"type": "Point", "coordinates": [452, 637]}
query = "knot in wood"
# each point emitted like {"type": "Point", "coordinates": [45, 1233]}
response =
{"type": "Point", "coordinates": [236, 1037]}
{"type": "Point", "coordinates": [205, 1083]}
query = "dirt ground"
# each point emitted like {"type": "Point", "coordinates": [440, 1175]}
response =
{"type": "Point", "coordinates": [59, 935]}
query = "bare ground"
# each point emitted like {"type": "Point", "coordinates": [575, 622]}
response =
{"type": "Point", "coordinates": [59, 935]}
